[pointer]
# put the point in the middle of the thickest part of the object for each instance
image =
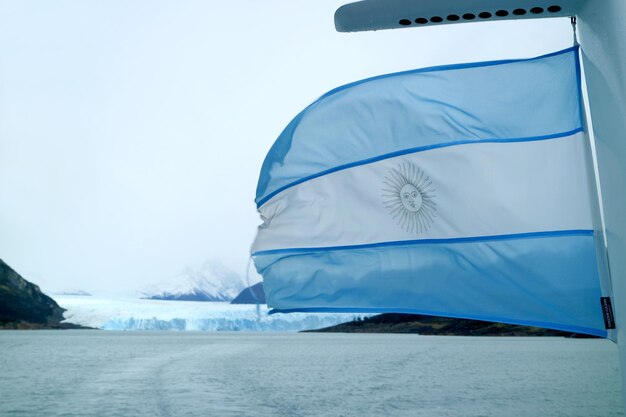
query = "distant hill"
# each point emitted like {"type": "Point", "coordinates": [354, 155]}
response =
{"type": "Point", "coordinates": [24, 306]}
{"type": "Point", "coordinates": [254, 294]}
{"type": "Point", "coordinates": [78, 293]}
{"type": "Point", "coordinates": [211, 282]}
{"type": "Point", "coordinates": [441, 326]}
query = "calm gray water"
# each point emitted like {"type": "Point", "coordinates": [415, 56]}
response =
{"type": "Point", "coordinates": [97, 373]}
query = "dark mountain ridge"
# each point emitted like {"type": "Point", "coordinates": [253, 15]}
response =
{"type": "Point", "coordinates": [24, 306]}
{"type": "Point", "coordinates": [253, 294]}
{"type": "Point", "coordinates": [440, 326]}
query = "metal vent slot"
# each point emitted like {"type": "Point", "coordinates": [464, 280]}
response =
{"type": "Point", "coordinates": [484, 15]}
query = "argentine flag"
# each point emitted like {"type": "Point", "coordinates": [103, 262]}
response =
{"type": "Point", "coordinates": [461, 191]}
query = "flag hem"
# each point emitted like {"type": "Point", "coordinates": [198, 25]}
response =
{"type": "Point", "coordinates": [409, 151]}
{"type": "Point", "coordinates": [529, 235]}
{"type": "Point", "coordinates": [546, 325]}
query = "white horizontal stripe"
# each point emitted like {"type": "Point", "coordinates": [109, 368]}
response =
{"type": "Point", "coordinates": [481, 189]}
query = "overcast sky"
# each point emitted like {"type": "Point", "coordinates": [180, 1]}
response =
{"type": "Point", "coordinates": [132, 132]}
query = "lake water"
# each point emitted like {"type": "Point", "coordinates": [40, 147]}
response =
{"type": "Point", "coordinates": [100, 373]}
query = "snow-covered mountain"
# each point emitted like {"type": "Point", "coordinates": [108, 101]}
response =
{"type": "Point", "coordinates": [211, 282]}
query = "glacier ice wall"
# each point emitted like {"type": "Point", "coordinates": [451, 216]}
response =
{"type": "Point", "coordinates": [140, 314]}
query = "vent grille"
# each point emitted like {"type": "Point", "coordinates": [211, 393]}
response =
{"type": "Point", "coordinates": [485, 15]}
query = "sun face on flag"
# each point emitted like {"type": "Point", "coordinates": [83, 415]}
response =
{"type": "Point", "coordinates": [409, 196]}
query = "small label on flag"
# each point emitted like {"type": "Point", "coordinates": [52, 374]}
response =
{"type": "Point", "coordinates": [607, 312]}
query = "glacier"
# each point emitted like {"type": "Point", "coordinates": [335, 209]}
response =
{"type": "Point", "coordinates": [144, 314]}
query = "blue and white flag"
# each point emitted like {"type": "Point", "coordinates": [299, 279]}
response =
{"type": "Point", "coordinates": [459, 191]}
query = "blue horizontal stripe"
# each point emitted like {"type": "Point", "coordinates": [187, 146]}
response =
{"type": "Point", "coordinates": [403, 112]}
{"type": "Point", "coordinates": [449, 68]}
{"type": "Point", "coordinates": [411, 151]}
{"type": "Point", "coordinates": [542, 280]}
{"type": "Point", "coordinates": [542, 324]}
{"type": "Point", "coordinates": [553, 233]}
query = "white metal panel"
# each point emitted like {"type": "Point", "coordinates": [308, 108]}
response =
{"type": "Point", "coordinates": [602, 27]}
{"type": "Point", "coordinates": [396, 14]}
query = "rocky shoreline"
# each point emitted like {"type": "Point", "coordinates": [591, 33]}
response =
{"type": "Point", "coordinates": [24, 307]}
{"type": "Point", "coordinates": [440, 326]}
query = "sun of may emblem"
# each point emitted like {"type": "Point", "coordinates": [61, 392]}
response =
{"type": "Point", "coordinates": [409, 195]}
